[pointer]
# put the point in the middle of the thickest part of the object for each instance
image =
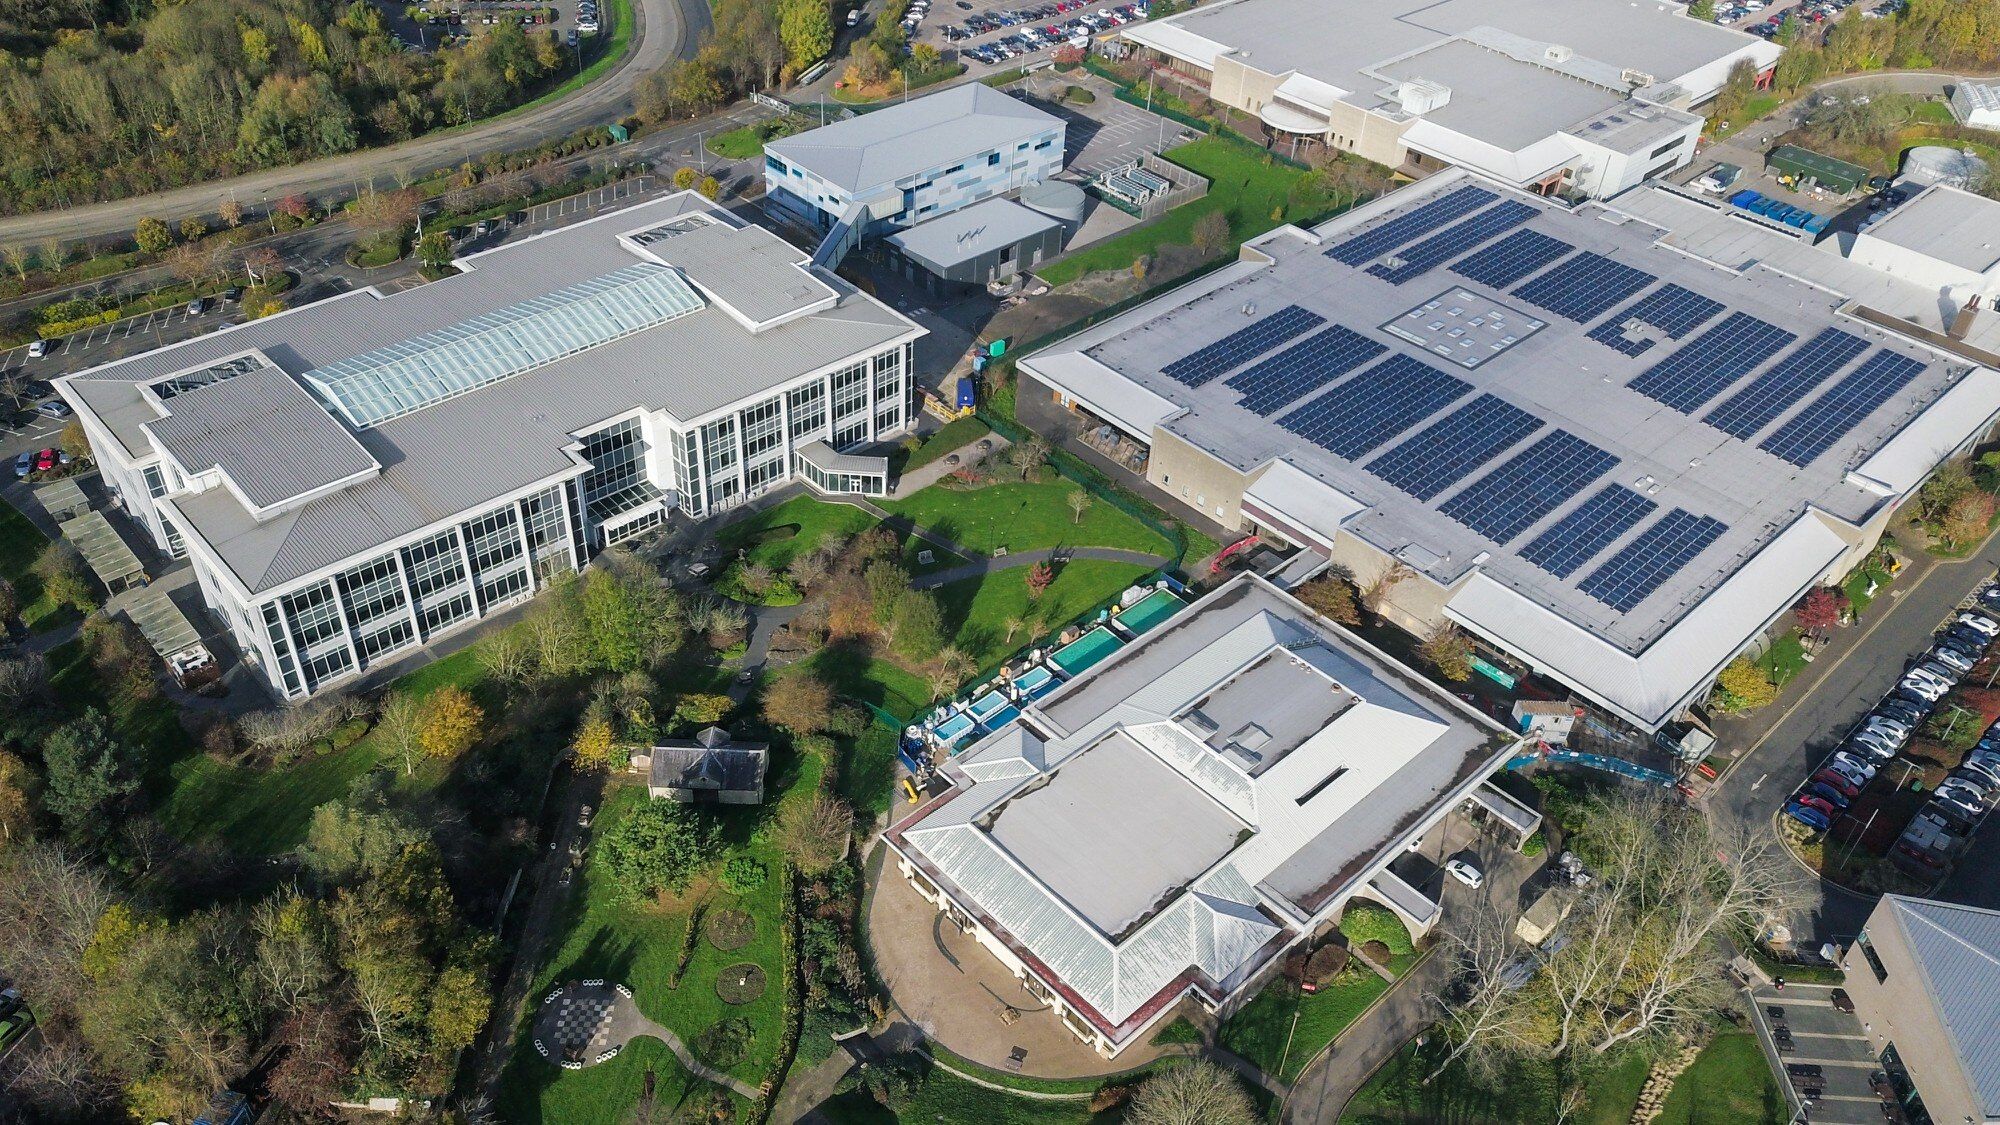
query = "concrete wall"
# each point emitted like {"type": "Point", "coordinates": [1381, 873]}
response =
{"type": "Point", "coordinates": [1193, 478]}
{"type": "Point", "coordinates": [1898, 1010]}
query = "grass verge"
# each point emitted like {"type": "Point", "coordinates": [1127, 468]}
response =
{"type": "Point", "coordinates": [1729, 1081]}
{"type": "Point", "coordinates": [1023, 516]}
{"type": "Point", "coordinates": [21, 543]}
{"type": "Point", "coordinates": [1283, 1028]}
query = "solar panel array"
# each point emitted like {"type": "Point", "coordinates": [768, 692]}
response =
{"type": "Point", "coordinates": [1453, 241]}
{"type": "Point", "coordinates": [1827, 419]}
{"type": "Point", "coordinates": [1583, 287]}
{"type": "Point", "coordinates": [1445, 451]}
{"type": "Point", "coordinates": [1371, 244]}
{"type": "Point", "coordinates": [1689, 378]}
{"type": "Point", "coordinates": [1304, 367]}
{"type": "Point", "coordinates": [1597, 523]}
{"type": "Point", "coordinates": [1242, 345]}
{"type": "Point", "coordinates": [1659, 553]}
{"type": "Point", "coordinates": [1512, 258]}
{"type": "Point", "coordinates": [1535, 482]}
{"type": "Point", "coordinates": [1671, 309]}
{"type": "Point", "coordinates": [1789, 380]}
{"type": "Point", "coordinates": [1358, 416]}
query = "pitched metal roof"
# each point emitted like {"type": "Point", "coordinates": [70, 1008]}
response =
{"type": "Point", "coordinates": [1957, 948]}
{"type": "Point", "coordinates": [878, 148]}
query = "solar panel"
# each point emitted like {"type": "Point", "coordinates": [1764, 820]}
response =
{"type": "Point", "coordinates": [1660, 551]}
{"type": "Point", "coordinates": [1576, 538]}
{"type": "Point", "coordinates": [1689, 378]}
{"type": "Point", "coordinates": [1583, 287]}
{"type": "Point", "coordinates": [1412, 224]}
{"type": "Point", "coordinates": [1304, 367]}
{"type": "Point", "coordinates": [1242, 345]}
{"type": "Point", "coordinates": [1449, 448]}
{"type": "Point", "coordinates": [1453, 241]}
{"type": "Point", "coordinates": [1535, 482]}
{"type": "Point", "coordinates": [1828, 418]}
{"type": "Point", "coordinates": [1359, 415]}
{"type": "Point", "coordinates": [1512, 258]}
{"type": "Point", "coordinates": [1789, 380]}
{"type": "Point", "coordinates": [1670, 309]}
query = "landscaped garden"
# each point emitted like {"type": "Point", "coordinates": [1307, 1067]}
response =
{"type": "Point", "coordinates": [1404, 1092]}
{"type": "Point", "coordinates": [1287, 1024]}
{"type": "Point", "coordinates": [1014, 516]}
{"type": "Point", "coordinates": [21, 544]}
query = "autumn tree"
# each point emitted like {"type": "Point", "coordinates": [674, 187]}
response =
{"type": "Point", "coordinates": [1332, 597]}
{"type": "Point", "coordinates": [1039, 577]}
{"type": "Point", "coordinates": [399, 727]}
{"type": "Point", "coordinates": [596, 742]}
{"type": "Point", "coordinates": [20, 792]}
{"type": "Point", "coordinates": [702, 709]}
{"type": "Point", "coordinates": [684, 178]}
{"type": "Point", "coordinates": [1967, 520]}
{"type": "Point", "coordinates": [451, 722]}
{"type": "Point", "coordinates": [656, 847]}
{"type": "Point", "coordinates": [231, 213]}
{"type": "Point", "coordinates": [1211, 234]}
{"type": "Point", "coordinates": [1823, 607]}
{"type": "Point", "coordinates": [1449, 653]}
{"type": "Point", "coordinates": [814, 832]}
{"type": "Point", "coordinates": [63, 579]}
{"type": "Point", "coordinates": [806, 29]}
{"type": "Point", "coordinates": [1198, 1092]}
{"type": "Point", "coordinates": [709, 187]}
{"type": "Point", "coordinates": [1743, 686]}
{"type": "Point", "coordinates": [75, 441]}
{"type": "Point", "coordinates": [799, 702]}
{"type": "Point", "coordinates": [434, 249]}
{"type": "Point", "coordinates": [152, 236]}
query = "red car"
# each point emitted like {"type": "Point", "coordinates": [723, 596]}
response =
{"type": "Point", "coordinates": [45, 460]}
{"type": "Point", "coordinates": [1834, 780]}
{"type": "Point", "coordinates": [1818, 804]}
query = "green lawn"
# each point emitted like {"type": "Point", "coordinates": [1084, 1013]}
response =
{"type": "Point", "coordinates": [1730, 1081]}
{"type": "Point", "coordinates": [748, 141]}
{"type": "Point", "coordinates": [878, 682]}
{"type": "Point", "coordinates": [978, 609]}
{"type": "Point", "coordinates": [1259, 1031]}
{"type": "Point", "coordinates": [1245, 188]}
{"type": "Point", "coordinates": [1785, 659]}
{"type": "Point", "coordinates": [152, 727]}
{"type": "Point", "coordinates": [640, 943]}
{"type": "Point", "coordinates": [777, 535]}
{"type": "Point", "coordinates": [1856, 586]}
{"type": "Point", "coordinates": [947, 1098]}
{"type": "Point", "coordinates": [533, 1092]}
{"type": "Point", "coordinates": [21, 543]}
{"type": "Point", "coordinates": [949, 437]}
{"type": "Point", "coordinates": [1397, 1094]}
{"type": "Point", "coordinates": [1022, 516]}
{"type": "Point", "coordinates": [259, 811]}
{"type": "Point", "coordinates": [868, 771]}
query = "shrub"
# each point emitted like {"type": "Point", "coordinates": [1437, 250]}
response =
{"type": "Point", "coordinates": [1535, 845]}
{"type": "Point", "coordinates": [724, 1043]}
{"type": "Point", "coordinates": [743, 875]}
{"type": "Point", "coordinates": [1366, 922]}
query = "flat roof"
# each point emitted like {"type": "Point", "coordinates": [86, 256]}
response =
{"type": "Point", "coordinates": [1557, 403]}
{"type": "Point", "coordinates": [763, 319]}
{"type": "Point", "coordinates": [271, 439]}
{"type": "Point", "coordinates": [1498, 98]}
{"type": "Point", "coordinates": [1126, 847]}
{"type": "Point", "coordinates": [882, 146]}
{"type": "Point", "coordinates": [160, 621]}
{"type": "Point", "coordinates": [960, 236]}
{"type": "Point", "coordinates": [1353, 44]}
{"type": "Point", "coordinates": [1946, 223]}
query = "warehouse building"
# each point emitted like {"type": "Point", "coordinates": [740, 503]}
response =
{"type": "Point", "coordinates": [898, 166]}
{"type": "Point", "coordinates": [1172, 821]}
{"type": "Point", "coordinates": [1945, 238]}
{"type": "Point", "coordinates": [987, 242]}
{"type": "Point", "coordinates": [1583, 97]}
{"type": "Point", "coordinates": [1611, 460]}
{"type": "Point", "coordinates": [369, 472]}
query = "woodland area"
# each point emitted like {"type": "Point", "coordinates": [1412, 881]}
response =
{"type": "Point", "coordinates": [101, 99]}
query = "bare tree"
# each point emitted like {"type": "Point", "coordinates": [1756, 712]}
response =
{"type": "Point", "coordinates": [400, 727]}
{"type": "Point", "coordinates": [52, 254]}
{"type": "Point", "coordinates": [509, 656]}
{"type": "Point", "coordinates": [1079, 503]}
{"type": "Point", "coordinates": [18, 258]}
{"type": "Point", "coordinates": [1195, 1093]}
{"type": "Point", "coordinates": [1475, 1004]}
{"type": "Point", "coordinates": [50, 901]}
{"type": "Point", "coordinates": [814, 832]}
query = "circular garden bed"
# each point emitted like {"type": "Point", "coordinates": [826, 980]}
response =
{"type": "Point", "coordinates": [730, 929]}
{"type": "Point", "coordinates": [740, 983]}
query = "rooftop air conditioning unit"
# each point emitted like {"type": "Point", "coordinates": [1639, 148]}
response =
{"type": "Point", "coordinates": [1420, 96]}
{"type": "Point", "coordinates": [1249, 308]}
{"type": "Point", "coordinates": [1557, 53]}
{"type": "Point", "coordinates": [1636, 78]}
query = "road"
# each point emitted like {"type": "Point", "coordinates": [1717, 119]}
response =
{"type": "Point", "coordinates": [663, 30]}
{"type": "Point", "coordinates": [1861, 664]}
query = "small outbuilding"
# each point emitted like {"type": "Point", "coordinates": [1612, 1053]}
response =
{"type": "Point", "coordinates": [1976, 105]}
{"type": "Point", "coordinates": [1836, 176]}
{"type": "Point", "coordinates": [984, 243]}
{"type": "Point", "coordinates": [710, 768]}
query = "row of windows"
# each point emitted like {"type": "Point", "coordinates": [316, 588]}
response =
{"type": "Point", "coordinates": [763, 428]}
{"type": "Point", "coordinates": [617, 458]}
{"type": "Point", "coordinates": [808, 410]}
{"type": "Point", "coordinates": [434, 564]}
{"type": "Point", "coordinates": [493, 591]}
{"type": "Point", "coordinates": [493, 539]}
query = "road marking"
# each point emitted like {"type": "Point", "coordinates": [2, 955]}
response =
{"type": "Point", "coordinates": [1755, 785]}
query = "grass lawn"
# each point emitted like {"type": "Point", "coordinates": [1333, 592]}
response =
{"type": "Point", "coordinates": [1396, 1094]}
{"type": "Point", "coordinates": [533, 1092]}
{"type": "Point", "coordinates": [1755, 108]}
{"type": "Point", "coordinates": [1857, 583]}
{"type": "Point", "coordinates": [876, 682]}
{"type": "Point", "coordinates": [868, 772]}
{"type": "Point", "coordinates": [945, 1097]}
{"type": "Point", "coordinates": [21, 543]}
{"type": "Point", "coordinates": [777, 535]}
{"type": "Point", "coordinates": [152, 727]}
{"type": "Point", "coordinates": [259, 811]}
{"type": "Point", "coordinates": [949, 437]}
{"type": "Point", "coordinates": [1785, 659]}
{"type": "Point", "coordinates": [640, 943]}
{"type": "Point", "coordinates": [1260, 1030]}
{"type": "Point", "coordinates": [741, 144]}
{"type": "Point", "coordinates": [1729, 1081]}
{"type": "Point", "coordinates": [1245, 188]}
{"type": "Point", "coordinates": [1022, 516]}
{"type": "Point", "coordinates": [977, 609]}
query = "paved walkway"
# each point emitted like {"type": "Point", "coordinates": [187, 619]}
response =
{"type": "Point", "coordinates": [599, 1017]}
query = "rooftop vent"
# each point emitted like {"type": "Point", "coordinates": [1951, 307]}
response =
{"type": "Point", "coordinates": [1556, 53]}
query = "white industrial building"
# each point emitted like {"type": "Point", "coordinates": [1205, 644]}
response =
{"type": "Point", "coordinates": [1175, 819]}
{"type": "Point", "coordinates": [1945, 238]}
{"type": "Point", "coordinates": [1976, 105]}
{"type": "Point", "coordinates": [363, 474]}
{"type": "Point", "coordinates": [1585, 97]}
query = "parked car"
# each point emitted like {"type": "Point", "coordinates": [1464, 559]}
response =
{"type": "Point", "coordinates": [1925, 685]}
{"type": "Point", "coordinates": [1840, 1000]}
{"type": "Point", "coordinates": [23, 465]}
{"type": "Point", "coordinates": [1981, 623]}
{"type": "Point", "coordinates": [46, 460]}
{"type": "Point", "coordinates": [39, 348]}
{"type": "Point", "coordinates": [1893, 729]}
{"type": "Point", "coordinates": [1810, 817]}
{"type": "Point", "coordinates": [1903, 711]}
{"type": "Point", "coordinates": [1848, 774]}
{"type": "Point", "coordinates": [54, 408]}
{"type": "Point", "coordinates": [1873, 745]}
{"type": "Point", "coordinates": [1838, 781]}
{"type": "Point", "coordinates": [1964, 818]}
{"type": "Point", "coordinates": [14, 1028]}
{"type": "Point", "coordinates": [1952, 657]}
{"type": "Point", "coordinates": [1820, 804]}
{"type": "Point", "coordinates": [1827, 793]}
{"type": "Point", "coordinates": [1465, 872]}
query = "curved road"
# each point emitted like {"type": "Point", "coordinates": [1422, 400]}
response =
{"type": "Point", "coordinates": [662, 30]}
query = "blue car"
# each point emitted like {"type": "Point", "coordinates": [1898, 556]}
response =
{"type": "Point", "coordinates": [1827, 793]}
{"type": "Point", "coordinates": [1810, 817]}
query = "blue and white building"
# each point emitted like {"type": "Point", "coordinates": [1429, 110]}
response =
{"type": "Point", "coordinates": [897, 167]}
{"type": "Point", "coordinates": [362, 475]}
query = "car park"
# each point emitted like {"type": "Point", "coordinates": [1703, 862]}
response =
{"type": "Point", "coordinates": [46, 460]}
{"type": "Point", "coordinates": [1465, 872]}
{"type": "Point", "coordinates": [1851, 768]}
{"type": "Point", "coordinates": [1952, 657]}
{"type": "Point", "coordinates": [39, 348]}
{"type": "Point", "coordinates": [1902, 710]}
{"type": "Point", "coordinates": [54, 408]}
{"type": "Point", "coordinates": [1827, 793]}
{"type": "Point", "coordinates": [1839, 782]}
{"type": "Point", "coordinates": [24, 464]}
{"type": "Point", "coordinates": [1810, 817]}
{"type": "Point", "coordinates": [1960, 798]}
{"type": "Point", "coordinates": [1871, 744]}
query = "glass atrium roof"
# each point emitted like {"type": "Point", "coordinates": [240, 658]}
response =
{"type": "Point", "coordinates": [389, 382]}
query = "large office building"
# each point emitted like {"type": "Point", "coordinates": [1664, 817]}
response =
{"type": "Point", "coordinates": [1172, 821]}
{"type": "Point", "coordinates": [365, 473]}
{"type": "Point", "coordinates": [901, 166]}
{"type": "Point", "coordinates": [1614, 460]}
{"type": "Point", "coordinates": [1924, 976]}
{"type": "Point", "coordinates": [1586, 97]}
